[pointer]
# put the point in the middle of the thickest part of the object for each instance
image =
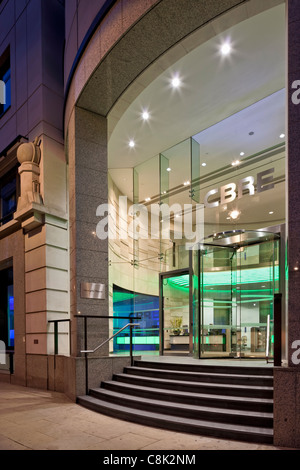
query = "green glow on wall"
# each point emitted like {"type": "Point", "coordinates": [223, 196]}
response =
{"type": "Point", "coordinates": [223, 278]}
{"type": "Point", "coordinates": [138, 340]}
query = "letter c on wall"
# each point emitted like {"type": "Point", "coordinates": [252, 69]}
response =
{"type": "Point", "coordinates": [208, 195]}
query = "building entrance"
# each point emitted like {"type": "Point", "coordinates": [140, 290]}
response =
{"type": "Point", "coordinates": [175, 331]}
{"type": "Point", "coordinates": [236, 276]}
{"type": "Point", "coordinates": [222, 305]}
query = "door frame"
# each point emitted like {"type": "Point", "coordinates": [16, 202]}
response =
{"type": "Point", "coordinates": [281, 231]}
{"type": "Point", "coordinates": [162, 277]}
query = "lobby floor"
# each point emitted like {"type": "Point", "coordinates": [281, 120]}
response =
{"type": "Point", "coordinates": [185, 359]}
{"type": "Point", "coordinates": [44, 420]}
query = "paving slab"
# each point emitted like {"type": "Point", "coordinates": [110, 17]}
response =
{"type": "Point", "coordinates": [32, 419]}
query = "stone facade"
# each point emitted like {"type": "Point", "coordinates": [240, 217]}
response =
{"type": "Point", "coordinates": [61, 108]}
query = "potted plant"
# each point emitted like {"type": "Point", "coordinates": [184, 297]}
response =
{"type": "Point", "coordinates": [176, 324]}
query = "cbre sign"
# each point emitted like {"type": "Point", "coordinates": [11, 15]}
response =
{"type": "Point", "coordinates": [229, 192]}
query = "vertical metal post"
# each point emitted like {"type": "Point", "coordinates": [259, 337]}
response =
{"type": "Point", "coordinates": [11, 362]}
{"type": "Point", "coordinates": [277, 329]}
{"type": "Point", "coordinates": [131, 355]}
{"type": "Point", "coordinates": [268, 339]}
{"type": "Point", "coordinates": [86, 358]}
{"type": "Point", "coordinates": [55, 337]}
{"type": "Point", "coordinates": [70, 339]}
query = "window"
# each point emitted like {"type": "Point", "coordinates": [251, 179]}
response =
{"type": "Point", "coordinates": [8, 196]}
{"type": "Point", "coordinates": [7, 330]}
{"type": "Point", "coordinates": [5, 82]}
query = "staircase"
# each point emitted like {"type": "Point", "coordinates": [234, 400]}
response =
{"type": "Point", "coordinates": [218, 401]}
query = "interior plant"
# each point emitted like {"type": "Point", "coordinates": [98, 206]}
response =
{"type": "Point", "coordinates": [176, 324]}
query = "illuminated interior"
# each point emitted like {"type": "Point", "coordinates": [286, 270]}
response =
{"type": "Point", "coordinates": [237, 276]}
{"type": "Point", "coordinates": [209, 133]}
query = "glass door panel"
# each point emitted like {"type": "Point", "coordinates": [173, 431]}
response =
{"type": "Point", "coordinates": [218, 315]}
{"type": "Point", "coordinates": [175, 314]}
{"type": "Point", "coordinates": [236, 276]}
{"type": "Point", "coordinates": [258, 277]}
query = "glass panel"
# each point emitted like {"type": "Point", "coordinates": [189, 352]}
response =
{"type": "Point", "coordinates": [121, 249]}
{"type": "Point", "coordinates": [196, 301]}
{"type": "Point", "coordinates": [7, 80]}
{"type": "Point", "coordinates": [218, 317]}
{"type": "Point", "coordinates": [242, 172]}
{"type": "Point", "coordinates": [175, 305]}
{"type": "Point", "coordinates": [176, 218]}
{"type": "Point", "coordinates": [7, 308]}
{"type": "Point", "coordinates": [259, 281]}
{"type": "Point", "coordinates": [195, 170]}
{"type": "Point", "coordinates": [8, 200]}
{"type": "Point", "coordinates": [141, 309]}
{"type": "Point", "coordinates": [237, 284]}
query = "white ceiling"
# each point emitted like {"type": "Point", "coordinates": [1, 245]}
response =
{"type": "Point", "coordinates": [213, 89]}
{"type": "Point", "coordinates": [220, 102]}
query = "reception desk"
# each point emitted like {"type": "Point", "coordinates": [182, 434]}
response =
{"type": "Point", "coordinates": [179, 342]}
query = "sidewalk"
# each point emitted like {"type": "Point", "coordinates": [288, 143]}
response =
{"type": "Point", "coordinates": [44, 420]}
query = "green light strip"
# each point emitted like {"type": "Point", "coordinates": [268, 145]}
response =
{"type": "Point", "coordinates": [223, 278]}
{"type": "Point", "coordinates": [139, 340]}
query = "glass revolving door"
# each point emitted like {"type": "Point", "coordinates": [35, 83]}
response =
{"type": "Point", "coordinates": [236, 275]}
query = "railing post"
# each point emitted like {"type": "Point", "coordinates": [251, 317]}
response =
{"type": "Point", "coordinates": [86, 358]}
{"type": "Point", "coordinates": [85, 351]}
{"type": "Point", "coordinates": [55, 337]}
{"type": "Point", "coordinates": [277, 329]}
{"type": "Point", "coordinates": [11, 362]}
{"type": "Point", "coordinates": [131, 355]}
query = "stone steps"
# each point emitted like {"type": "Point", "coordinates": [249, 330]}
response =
{"type": "Point", "coordinates": [218, 402]}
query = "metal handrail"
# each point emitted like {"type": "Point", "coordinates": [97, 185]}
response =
{"type": "Point", "coordinates": [86, 351]}
{"type": "Point", "coordinates": [107, 340]}
{"type": "Point", "coordinates": [268, 339]}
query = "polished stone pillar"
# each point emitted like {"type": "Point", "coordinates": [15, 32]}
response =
{"type": "Point", "coordinates": [293, 177]}
{"type": "Point", "coordinates": [287, 379]}
{"type": "Point", "coordinates": [88, 254]}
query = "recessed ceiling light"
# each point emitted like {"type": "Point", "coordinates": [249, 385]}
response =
{"type": "Point", "coordinates": [131, 143]}
{"type": "Point", "coordinates": [186, 183]}
{"type": "Point", "coordinates": [282, 136]}
{"type": "Point", "coordinates": [176, 82]}
{"type": "Point", "coordinates": [203, 164]}
{"type": "Point", "coordinates": [226, 48]}
{"type": "Point", "coordinates": [169, 169]}
{"type": "Point", "coordinates": [148, 199]}
{"type": "Point", "coordinates": [242, 154]}
{"type": "Point", "coordinates": [145, 115]}
{"type": "Point", "coordinates": [235, 163]}
{"type": "Point", "coordinates": [234, 214]}
{"type": "Point", "coordinates": [271, 212]}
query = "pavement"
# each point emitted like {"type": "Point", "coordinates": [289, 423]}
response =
{"type": "Point", "coordinates": [32, 419]}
